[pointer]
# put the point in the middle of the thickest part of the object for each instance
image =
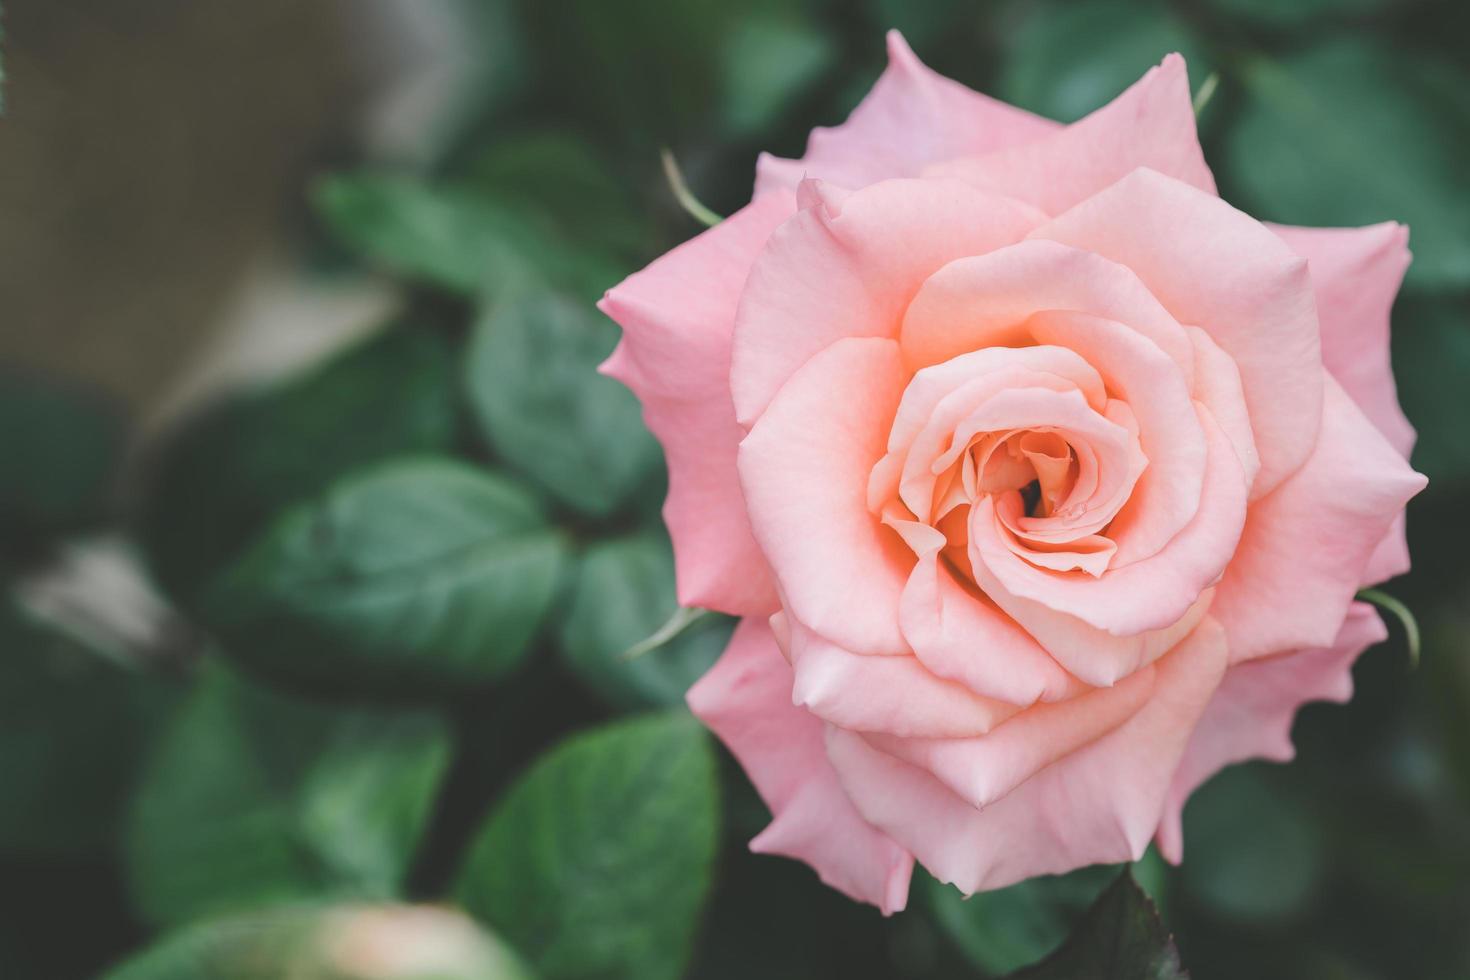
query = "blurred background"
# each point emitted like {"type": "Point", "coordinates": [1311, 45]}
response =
{"type": "Point", "coordinates": [319, 538]}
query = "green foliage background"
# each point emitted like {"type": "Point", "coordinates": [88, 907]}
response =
{"type": "Point", "coordinates": [406, 573]}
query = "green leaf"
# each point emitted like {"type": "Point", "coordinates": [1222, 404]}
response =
{"type": "Point", "coordinates": [770, 59]}
{"type": "Point", "coordinates": [1431, 356]}
{"type": "Point", "coordinates": [453, 236]}
{"type": "Point", "coordinates": [1003, 930]}
{"type": "Point", "coordinates": [61, 447]}
{"type": "Point", "coordinates": [531, 374]}
{"type": "Point", "coordinates": [425, 572]}
{"type": "Point", "coordinates": [1351, 132]}
{"type": "Point", "coordinates": [347, 942]}
{"type": "Point", "coordinates": [624, 593]}
{"type": "Point", "coordinates": [253, 798]}
{"type": "Point", "coordinates": [1274, 13]}
{"type": "Point", "coordinates": [73, 731]}
{"type": "Point", "coordinates": [1264, 870]}
{"type": "Point", "coordinates": [1121, 938]}
{"type": "Point", "coordinates": [596, 863]}
{"type": "Point", "coordinates": [226, 472]}
{"type": "Point", "coordinates": [1068, 59]}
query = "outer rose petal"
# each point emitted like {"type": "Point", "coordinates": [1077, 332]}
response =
{"type": "Point", "coordinates": [1225, 272]}
{"type": "Point", "coordinates": [1356, 273]}
{"type": "Point", "coordinates": [1305, 545]}
{"type": "Point", "coordinates": [1149, 125]}
{"type": "Point", "coordinates": [804, 469]}
{"type": "Point", "coordinates": [911, 118]}
{"type": "Point", "coordinates": [676, 317]}
{"type": "Point", "coordinates": [746, 700]}
{"type": "Point", "coordinates": [1251, 713]}
{"type": "Point", "coordinates": [1100, 804]}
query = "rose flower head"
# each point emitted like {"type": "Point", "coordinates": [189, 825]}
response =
{"type": "Point", "coordinates": [1042, 478]}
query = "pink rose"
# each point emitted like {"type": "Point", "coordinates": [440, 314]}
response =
{"type": "Point", "coordinates": [1043, 478]}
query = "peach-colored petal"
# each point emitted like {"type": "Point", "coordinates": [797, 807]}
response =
{"type": "Point", "coordinates": [1126, 601]}
{"type": "Point", "coordinates": [676, 317]}
{"type": "Point", "coordinates": [911, 118]}
{"type": "Point", "coordinates": [746, 700]}
{"type": "Point", "coordinates": [1100, 804]}
{"type": "Point", "coordinates": [1217, 386]}
{"type": "Point", "coordinates": [848, 266]}
{"type": "Point", "coordinates": [1225, 272]}
{"type": "Point", "coordinates": [894, 694]}
{"type": "Point", "coordinates": [1252, 712]}
{"type": "Point", "coordinates": [1149, 125]}
{"type": "Point", "coordinates": [1305, 546]}
{"type": "Point", "coordinates": [982, 769]}
{"type": "Point", "coordinates": [804, 469]}
{"type": "Point", "coordinates": [1356, 274]}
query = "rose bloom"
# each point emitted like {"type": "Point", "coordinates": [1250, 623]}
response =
{"type": "Point", "coordinates": [1043, 478]}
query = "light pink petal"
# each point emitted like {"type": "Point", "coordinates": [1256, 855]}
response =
{"type": "Point", "coordinates": [1217, 386]}
{"type": "Point", "coordinates": [848, 267]}
{"type": "Point", "coordinates": [746, 700]}
{"type": "Point", "coordinates": [1128, 601]}
{"type": "Point", "coordinates": [804, 469]}
{"type": "Point", "coordinates": [895, 695]}
{"type": "Point", "coordinates": [1100, 804]}
{"type": "Point", "coordinates": [911, 118]}
{"type": "Point", "coordinates": [1356, 274]}
{"type": "Point", "coordinates": [676, 316]}
{"type": "Point", "coordinates": [1252, 712]}
{"type": "Point", "coordinates": [1227, 273]}
{"type": "Point", "coordinates": [982, 769]}
{"type": "Point", "coordinates": [1150, 125]}
{"type": "Point", "coordinates": [1306, 545]}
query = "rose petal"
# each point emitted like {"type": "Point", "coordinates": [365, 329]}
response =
{"type": "Point", "coordinates": [746, 700]}
{"type": "Point", "coordinates": [1149, 125]}
{"type": "Point", "coordinates": [1098, 805]}
{"type": "Point", "coordinates": [1225, 272]}
{"type": "Point", "coordinates": [1252, 712]}
{"type": "Point", "coordinates": [676, 316]}
{"type": "Point", "coordinates": [911, 118]}
{"type": "Point", "coordinates": [1305, 546]}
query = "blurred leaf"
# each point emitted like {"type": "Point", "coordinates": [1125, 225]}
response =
{"type": "Point", "coordinates": [453, 236]}
{"type": "Point", "coordinates": [1262, 870]}
{"type": "Point", "coordinates": [1067, 59]}
{"type": "Point", "coordinates": [1121, 938]}
{"type": "Point", "coordinates": [73, 730]}
{"type": "Point", "coordinates": [533, 385]}
{"type": "Point", "coordinates": [1012, 927]}
{"type": "Point", "coordinates": [230, 469]}
{"type": "Point", "coordinates": [349, 942]}
{"type": "Point", "coordinates": [558, 175]}
{"type": "Point", "coordinates": [923, 23]}
{"type": "Point", "coordinates": [1350, 132]}
{"type": "Point", "coordinates": [1431, 356]}
{"type": "Point", "coordinates": [253, 798]}
{"type": "Point", "coordinates": [428, 572]}
{"type": "Point", "coordinates": [770, 59]}
{"type": "Point", "coordinates": [61, 447]}
{"type": "Point", "coordinates": [596, 863]}
{"type": "Point", "coordinates": [624, 592]}
{"type": "Point", "coordinates": [1275, 13]}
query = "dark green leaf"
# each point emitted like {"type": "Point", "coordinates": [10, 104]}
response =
{"type": "Point", "coordinates": [229, 470]}
{"type": "Point", "coordinates": [73, 730]}
{"type": "Point", "coordinates": [346, 942]}
{"type": "Point", "coordinates": [456, 237]}
{"type": "Point", "coordinates": [1431, 356]}
{"type": "Point", "coordinates": [1068, 59]}
{"type": "Point", "coordinates": [596, 863]}
{"type": "Point", "coordinates": [61, 446]}
{"type": "Point", "coordinates": [532, 379]}
{"type": "Point", "coordinates": [624, 593]}
{"type": "Point", "coordinates": [1275, 13]}
{"type": "Point", "coordinates": [1009, 928]}
{"type": "Point", "coordinates": [1351, 132]}
{"type": "Point", "coordinates": [1121, 938]}
{"type": "Point", "coordinates": [252, 798]}
{"type": "Point", "coordinates": [1263, 870]}
{"type": "Point", "coordinates": [770, 58]}
{"type": "Point", "coordinates": [426, 572]}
